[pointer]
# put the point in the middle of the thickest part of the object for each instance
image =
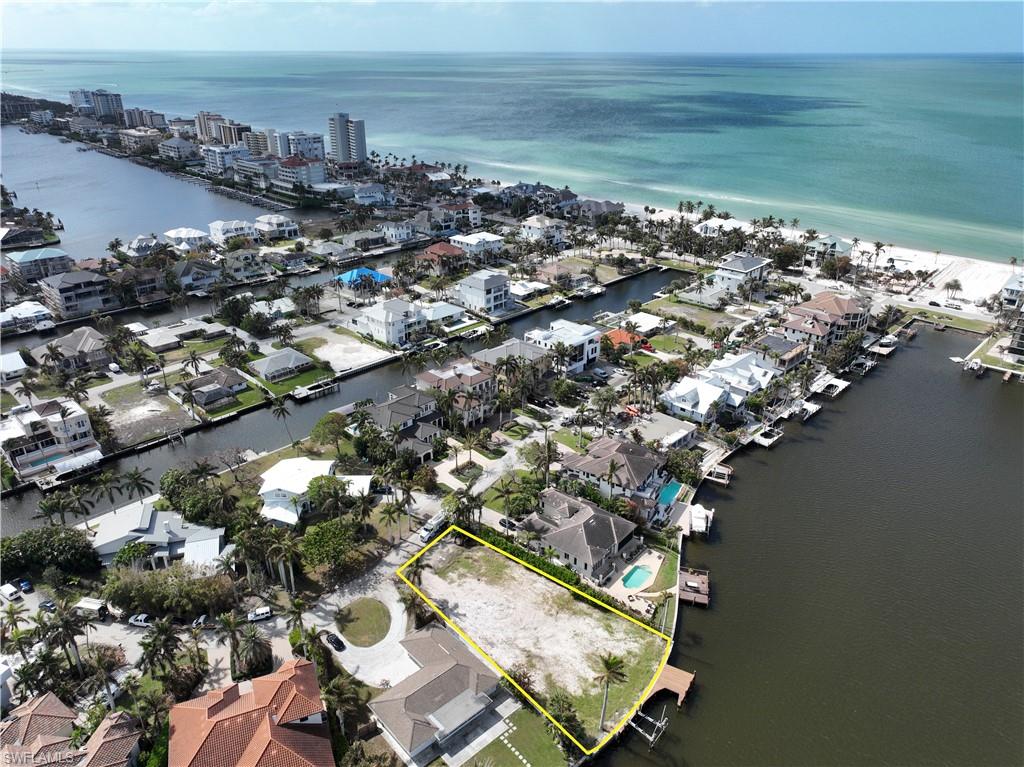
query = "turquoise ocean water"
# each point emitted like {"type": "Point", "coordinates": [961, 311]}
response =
{"type": "Point", "coordinates": [918, 151]}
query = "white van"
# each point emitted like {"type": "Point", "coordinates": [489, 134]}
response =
{"type": "Point", "coordinates": [10, 593]}
{"type": "Point", "coordinates": [260, 614]}
{"type": "Point", "coordinates": [430, 529]}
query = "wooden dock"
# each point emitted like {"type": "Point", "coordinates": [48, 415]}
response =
{"type": "Point", "coordinates": [673, 679]}
{"type": "Point", "coordinates": [720, 474]}
{"type": "Point", "coordinates": [695, 586]}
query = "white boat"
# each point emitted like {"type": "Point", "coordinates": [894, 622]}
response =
{"type": "Point", "coordinates": [559, 302]}
{"type": "Point", "coordinates": [972, 366]}
{"type": "Point", "coordinates": [809, 409]}
{"type": "Point", "coordinates": [597, 290]}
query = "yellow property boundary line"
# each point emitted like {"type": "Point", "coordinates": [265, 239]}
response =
{"type": "Point", "coordinates": [622, 722]}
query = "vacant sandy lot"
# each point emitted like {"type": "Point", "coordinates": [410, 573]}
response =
{"type": "Point", "coordinates": [518, 616]}
{"type": "Point", "coordinates": [345, 352]}
{"type": "Point", "coordinates": [146, 417]}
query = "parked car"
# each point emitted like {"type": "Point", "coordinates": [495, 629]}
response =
{"type": "Point", "coordinates": [334, 641]}
{"type": "Point", "coordinates": [113, 367]}
{"type": "Point", "coordinates": [142, 620]}
{"type": "Point", "coordinates": [199, 622]}
{"type": "Point", "coordinates": [48, 605]}
{"type": "Point", "coordinates": [260, 614]}
{"type": "Point", "coordinates": [24, 584]}
{"type": "Point", "coordinates": [9, 592]}
{"type": "Point", "coordinates": [601, 373]}
{"type": "Point", "coordinates": [934, 303]}
{"type": "Point", "coordinates": [508, 524]}
{"type": "Point", "coordinates": [151, 369]}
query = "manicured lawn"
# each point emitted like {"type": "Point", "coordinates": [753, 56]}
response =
{"type": "Point", "coordinates": [528, 733]}
{"type": "Point", "coordinates": [246, 398]}
{"type": "Point", "coordinates": [199, 347]}
{"type": "Point", "coordinates": [705, 316]}
{"type": "Point", "coordinates": [280, 388]}
{"type": "Point", "coordinates": [668, 572]}
{"type": "Point", "coordinates": [982, 353]}
{"type": "Point", "coordinates": [364, 339]}
{"type": "Point", "coordinates": [671, 344]}
{"type": "Point", "coordinates": [531, 412]}
{"type": "Point", "coordinates": [979, 326]}
{"type": "Point", "coordinates": [678, 265]}
{"type": "Point", "coordinates": [468, 472]}
{"type": "Point", "coordinates": [366, 622]}
{"type": "Point", "coordinates": [642, 360]}
{"type": "Point", "coordinates": [307, 345]}
{"type": "Point", "coordinates": [571, 439]}
{"type": "Point", "coordinates": [517, 432]}
{"type": "Point", "coordinates": [491, 499]}
{"type": "Point", "coordinates": [7, 400]}
{"type": "Point", "coordinates": [605, 273]}
{"type": "Point", "coordinates": [133, 392]}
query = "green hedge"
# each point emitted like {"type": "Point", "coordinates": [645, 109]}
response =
{"type": "Point", "coordinates": [563, 574]}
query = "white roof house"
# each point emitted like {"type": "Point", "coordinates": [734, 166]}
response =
{"type": "Point", "coordinates": [273, 226]}
{"type": "Point", "coordinates": [439, 311]}
{"type": "Point", "coordinates": [222, 231]}
{"type": "Point", "coordinates": [540, 227]}
{"type": "Point", "coordinates": [647, 323]}
{"type": "Point", "coordinates": [285, 485]}
{"type": "Point", "coordinates": [584, 342]}
{"type": "Point", "coordinates": [24, 315]}
{"type": "Point", "coordinates": [185, 238]}
{"type": "Point", "coordinates": [12, 367]}
{"type": "Point", "coordinates": [166, 532]}
{"type": "Point", "coordinates": [742, 374]}
{"type": "Point", "coordinates": [478, 242]}
{"type": "Point", "coordinates": [693, 398]}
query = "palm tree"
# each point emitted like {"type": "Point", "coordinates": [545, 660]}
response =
{"type": "Point", "coordinates": [53, 356]}
{"type": "Point", "coordinates": [390, 513]}
{"type": "Point", "coordinates": [26, 389]}
{"type": "Point", "coordinates": [108, 484]}
{"type": "Point", "coordinates": [279, 408]}
{"type": "Point", "coordinates": [294, 612]}
{"type": "Point", "coordinates": [75, 389]}
{"type": "Point", "coordinates": [611, 670]}
{"type": "Point", "coordinates": [342, 695]}
{"type": "Point", "coordinates": [504, 490]}
{"type": "Point", "coordinates": [416, 569]}
{"type": "Point", "coordinates": [194, 362]}
{"type": "Point", "coordinates": [104, 665]}
{"type": "Point", "coordinates": [228, 629]}
{"type": "Point", "coordinates": [65, 624]}
{"type": "Point", "coordinates": [135, 482]}
{"type": "Point", "coordinates": [13, 616]}
{"type": "Point", "coordinates": [471, 443]}
{"type": "Point", "coordinates": [611, 475]}
{"type": "Point", "coordinates": [287, 549]}
{"type": "Point", "coordinates": [254, 649]}
{"type": "Point", "coordinates": [160, 645]}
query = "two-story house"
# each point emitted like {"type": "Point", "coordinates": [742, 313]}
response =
{"type": "Point", "coordinates": [581, 342]}
{"type": "Point", "coordinates": [485, 292]}
{"type": "Point", "coordinates": [77, 294]}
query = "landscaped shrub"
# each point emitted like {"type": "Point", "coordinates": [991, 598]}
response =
{"type": "Point", "coordinates": [54, 545]}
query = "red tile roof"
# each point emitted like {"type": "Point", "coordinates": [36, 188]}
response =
{"type": "Point", "coordinates": [439, 249]}
{"type": "Point", "coordinates": [260, 728]}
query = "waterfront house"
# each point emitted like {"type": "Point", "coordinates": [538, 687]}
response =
{"type": "Point", "coordinates": [740, 374]}
{"type": "Point", "coordinates": [77, 294]}
{"type": "Point", "coordinates": [442, 258]}
{"type": "Point", "coordinates": [334, 252]}
{"type": "Point", "coordinates": [365, 240]}
{"type": "Point", "coordinates": [286, 260]}
{"type": "Point", "coordinates": [396, 232]}
{"type": "Point", "coordinates": [570, 275]}
{"type": "Point", "coordinates": [196, 274]}
{"type": "Point", "coordinates": [592, 211]}
{"type": "Point", "coordinates": [414, 413]}
{"type": "Point", "coordinates": [16, 236]}
{"type": "Point", "coordinates": [82, 349]}
{"type": "Point", "coordinates": [275, 309]}
{"type": "Point", "coordinates": [715, 227]}
{"type": "Point", "coordinates": [285, 487]}
{"type": "Point", "coordinates": [514, 348]}
{"type": "Point", "coordinates": [222, 231]}
{"type": "Point", "coordinates": [33, 265]}
{"type": "Point", "coordinates": [825, 247]}
{"type": "Point", "coordinates": [142, 247]}
{"type": "Point", "coordinates": [1012, 292]}
{"type": "Point", "coordinates": [169, 537]}
{"type": "Point", "coordinates": [174, 335]}
{"type": "Point", "coordinates": [439, 313]}
{"type": "Point", "coordinates": [391, 321]}
{"type": "Point", "coordinates": [740, 268]}
{"type": "Point", "coordinates": [582, 341]}
{"type": "Point", "coordinates": [186, 240]}
{"type": "Point", "coordinates": [140, 285]}
{"type": "Point", "coordinates": [647, 324]}
{"type": "Point", "coordinates": [373, 194]}
{"type": "Point", "coordinates": [24, 316]}
{"type": "Point", "coordinates": [282, 364]}
{"type": "Point", "coordinates": [632, 341]}
{"type": "Point", "coordinates": [274, 226]}
{"type": "Point", "coordinates": [474, 385]}
{"type": "Point", "coordinates": [826, 319]}
{"type": "Point", "coordinates": [617, 467]}
{"type": "Point", "coordinates": [695, 399]}
{"type": "Point", "coordinates": [422, 715]}
{"type": "Point", "coordinates": [12, 367]}
{"type": "Point", "coordinates": [776, 350]}
{"type": "Point", "coordinates": [242, 266]}
{"type": "Point", "coordinates": [585, 538]}
{"type": "Point", "coordinates": [484, 292]}
{"type": "Point", "coordinates": [177, 149]}
{"type": "Point", "coordinates": [49, 435]}
{"type": "Point", "coordinates": [482, 247]}
{"type": "Point", "coordinates": [276, 719]}
{"type": "Point", "coordinates": [214, 390]}
{"type": "Point", "coordinates": [541, 228]}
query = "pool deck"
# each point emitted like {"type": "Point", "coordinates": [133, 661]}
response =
{"type": "Point", "coordinates": [652, 560]}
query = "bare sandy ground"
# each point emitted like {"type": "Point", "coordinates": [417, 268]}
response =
{"type": "Point", "coordinates": [344, 352]}
{"type": "Point", "coordinates": [147, 418]}
{"type": "Point", "coordinates": [517, 616]}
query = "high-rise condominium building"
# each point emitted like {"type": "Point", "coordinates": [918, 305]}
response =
{"type": "Point", "coordinates": [206, 125]}
{"type": "Point", "coordinates": [348, 138]}
{"type": "Point", "coordinates": [307, 145]}
{"type": "Point", "coordinates": [230, 133]}
{"type": "Point", "coordinates": [99, 103]}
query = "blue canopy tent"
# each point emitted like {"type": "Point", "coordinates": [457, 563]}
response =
{"type": "Point", "coordinates": [356, 275]}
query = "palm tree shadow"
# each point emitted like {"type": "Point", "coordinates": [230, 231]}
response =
{"type": "Point", "coordinates": [343, 619]}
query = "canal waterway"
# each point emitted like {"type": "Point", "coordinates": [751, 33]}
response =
{"type": "Point", "coordinates": [866, 584]}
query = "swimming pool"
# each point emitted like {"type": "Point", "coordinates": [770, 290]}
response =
{"type": "Point", "coordinates": [637, 576]}
{"type": "Point", "coordinates": [668, 493]}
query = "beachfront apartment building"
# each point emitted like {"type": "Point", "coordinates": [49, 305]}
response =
{"type": "Point", "coordinates": [46, 435]}
{"type": "Point", "coordinates": [32, 265]}
{"type": "Point", "coordinates": [484, 292]}
{"type": "Point", "coordinates": [178, 149]}
{"type": "Point", "coordinates": [541, 228]}
{"type": "Point", "coordinates": [274, 226]}
{"type": "Point", "coordinates": [231, 133]}
{"type": "Point", "coordinates": [140, 139]}
{"type": "Point", "coordinates": [480, 246]}
{"type": "Point", "coordinates": [222, 231]}
{"type": "Point", "coordinates": [475, 388]}
{"type": "Point", "coordinates": [77, 294]}
{"type": "Point", "coordinates": [299, 170]}
{"type": "Point", "coordinates": [40, 117]}
{"type": "Point", "coordinates": [218, 159]}
{"type": "Point", "coordinates": [206, 125]}
{"type": "Point", "coordinates": [302, 144]}
{"type": "Point", "coordinates": [826, 319]}
{"type": "Point", "coordinates": [145, 118]}
{"type": "Point", "coordinates": [257, 142]}
{"type": "Point", "coordinates": [348, 138]}
{"type": "Point", "coordinates": [582, 341]}
{"type": "Point", "coordinates": [256, 172]}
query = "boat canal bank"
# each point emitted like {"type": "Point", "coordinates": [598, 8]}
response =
{"type": "Point", "coordinates": [867, 583]}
